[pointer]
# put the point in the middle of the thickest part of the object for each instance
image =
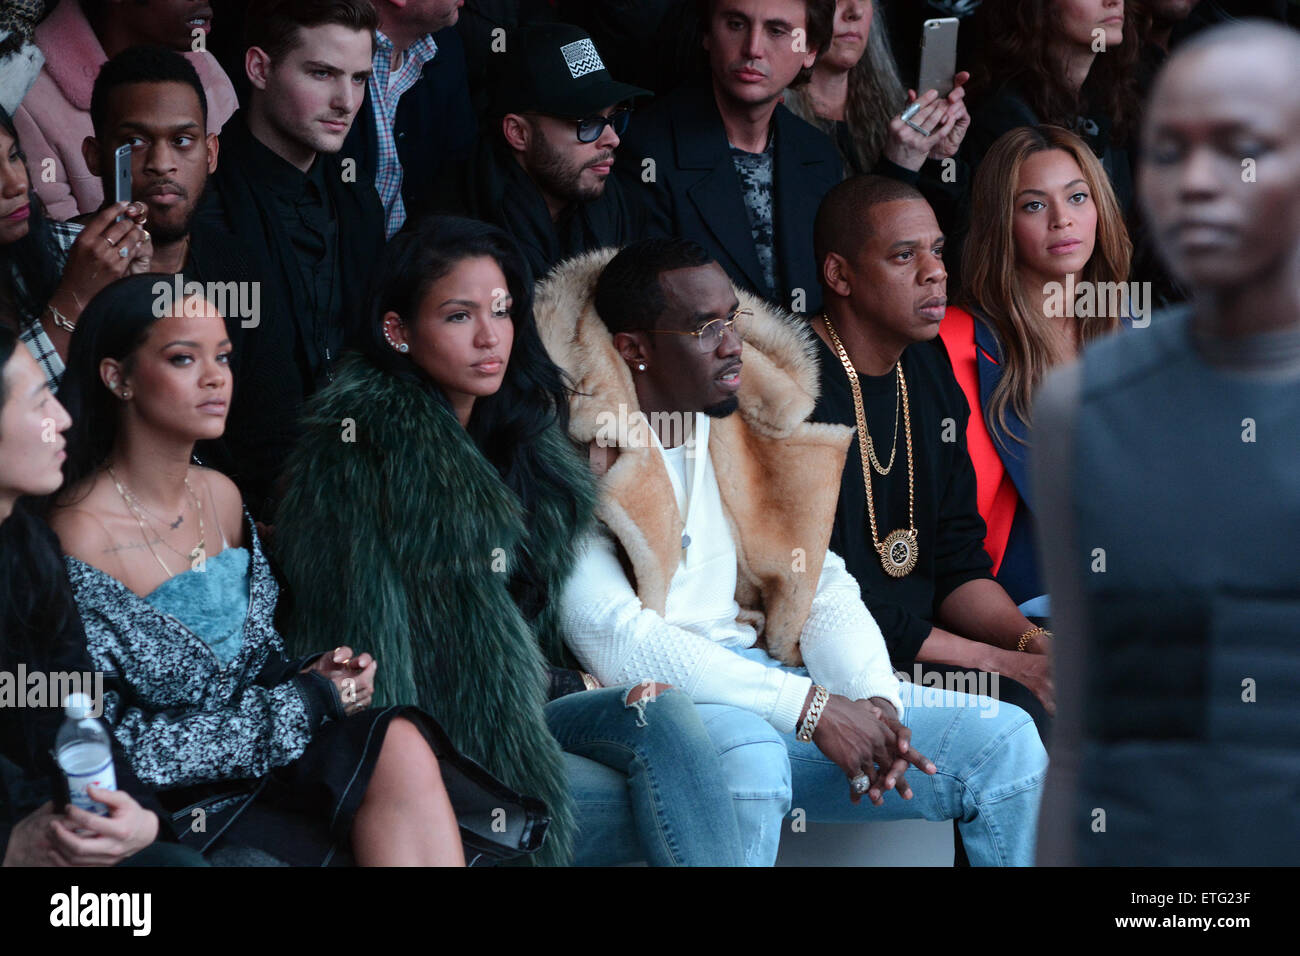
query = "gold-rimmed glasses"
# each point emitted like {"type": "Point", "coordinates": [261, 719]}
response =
{"type": "Point", "coordinates": [709, 336]}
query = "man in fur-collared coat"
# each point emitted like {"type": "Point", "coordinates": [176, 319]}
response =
{"type": "Point", "coordinates": [710, 567]}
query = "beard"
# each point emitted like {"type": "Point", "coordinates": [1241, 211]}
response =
{"type": "Point", "coordinates": [166, 233]}
{"type": "Point", "coordinates": [723, 408]}
{"type": "Point", "coordinates": [558, 175]}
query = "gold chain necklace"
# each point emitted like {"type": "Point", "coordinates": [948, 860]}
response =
{"type": "Point", "coordinates": [127, 496]}
{"type": "Point", "coordinates": [134, 499]}
{"type": "Point", "coordinates": [883, 471]}
{"type": "Point", "coordinates": [898, 551]}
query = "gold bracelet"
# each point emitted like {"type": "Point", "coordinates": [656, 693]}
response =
{"type": "Point", "coordinates": [61, 320]}
{"type": "Point", "coordinates": [820, 697]}
{"type": "Point", "coordinates": [1030, 634]}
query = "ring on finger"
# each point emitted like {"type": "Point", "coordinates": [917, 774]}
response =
{"type": "Point", "coordinates": [920, 129]}
{"type": "Point", "coordinates": [861, 783]}
{"type": "Point", "coordinates": [110, 240]}
{"type": "Point", "coordinates": [123, 251]}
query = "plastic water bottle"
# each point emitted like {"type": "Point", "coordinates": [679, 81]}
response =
{"type": "Point", "coordinates": [85, 754]}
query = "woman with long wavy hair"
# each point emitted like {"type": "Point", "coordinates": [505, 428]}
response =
{"type": "Point", "coordinates": [178, 602]}
{"type": "Point", "coordinates": [1045, 226]}
{"type": "Point", "coordinates": [1070, 63]}
{"type": "Point", "coordinates": [435, 503]}
{"type": "Point", "coordinates": [855, 95]}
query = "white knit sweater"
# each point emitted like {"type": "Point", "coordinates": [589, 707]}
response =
{"type": "Point", "coordinates": [620, 641]}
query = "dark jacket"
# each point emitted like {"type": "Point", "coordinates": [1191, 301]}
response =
{"type": "Point", "coordinates": [29, 775]}
{"type": "Point", "coordinates": [402, 538]}
{"type": "Point", "coordinates": [435, 124]}
{"type": "Point", "coordinates": [695, 192]}
{"type": "Point", "coordinates": [495, 188]}
{"type": "Point", "coordinates": [238, 201]}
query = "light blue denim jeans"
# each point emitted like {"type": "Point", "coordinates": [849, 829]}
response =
{"type": "Point", "coordinates": [991, 766]}
{"type": "Point", "coordinates": [647, 781]}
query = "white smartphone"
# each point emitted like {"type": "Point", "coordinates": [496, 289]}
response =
{"type": "Point", "coordinates": [938, 55]}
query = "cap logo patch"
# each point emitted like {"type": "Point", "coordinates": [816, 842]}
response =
{"type": "Point", "coordinates": [582, 58]}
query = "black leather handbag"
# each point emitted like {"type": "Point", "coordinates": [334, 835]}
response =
{"type": "Point", "coordinates": [496, 823]}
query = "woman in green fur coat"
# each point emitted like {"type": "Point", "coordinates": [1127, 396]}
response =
{"type": "Point", "coordinates": [432, 511]}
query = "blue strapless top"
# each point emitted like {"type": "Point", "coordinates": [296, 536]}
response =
{"type": "Point", "coordinates": [212, 603]}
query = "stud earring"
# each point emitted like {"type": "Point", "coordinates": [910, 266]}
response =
{"type": "Point", "coordinates": [640, 366]}
{"type": "Point", "coordinates": [126, 393]}
{"type": "Point", "coordinates": [403, 347]}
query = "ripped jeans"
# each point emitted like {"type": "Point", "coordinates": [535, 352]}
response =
{"type": "Point", "coordinates": [647, 780]}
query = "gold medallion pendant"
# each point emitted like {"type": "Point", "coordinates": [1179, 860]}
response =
{"type": "Point", "coordinates": [898, 553]}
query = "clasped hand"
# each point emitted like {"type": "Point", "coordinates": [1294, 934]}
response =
{"type": "Point", "coordinates": [866, 737]}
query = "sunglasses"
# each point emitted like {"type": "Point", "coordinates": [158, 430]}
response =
{"type": "Point", "coordinates": [591, 128]}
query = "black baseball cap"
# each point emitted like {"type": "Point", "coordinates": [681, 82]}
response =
{"type": "Point", "coordinates": [555, 68]}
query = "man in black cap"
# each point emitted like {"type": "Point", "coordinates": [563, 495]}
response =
{"type": "Point", "coordinates": [542, 171]}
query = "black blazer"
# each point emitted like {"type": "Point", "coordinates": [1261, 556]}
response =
{"type": "Point", "coordinates": [238, 202]}
{"type": "Point", "coordinates": [696, 194]}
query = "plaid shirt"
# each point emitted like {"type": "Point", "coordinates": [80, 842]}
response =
{"type": "Point", "coordinates": [386, 89]}
{"type": "Point", "coordinates": [32, 332]}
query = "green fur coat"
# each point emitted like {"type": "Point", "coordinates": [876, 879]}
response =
{"type": "Point", "coordinates": [398, 537]}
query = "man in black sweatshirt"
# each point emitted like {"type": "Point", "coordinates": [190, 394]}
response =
{"type": "Point", "coordinates": [913, 537]}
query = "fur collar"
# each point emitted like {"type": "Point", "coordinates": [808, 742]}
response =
{"type": "Point", "coordinates": [778, 474]}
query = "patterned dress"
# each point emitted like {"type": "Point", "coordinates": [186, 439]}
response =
{"type": "Point", "coordinates": [246, 751]}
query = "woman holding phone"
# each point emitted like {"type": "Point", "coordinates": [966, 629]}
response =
{"type": "Point", "coordinates": [49, 270]}
{"type": "Point", "coordinates": [856, 97]}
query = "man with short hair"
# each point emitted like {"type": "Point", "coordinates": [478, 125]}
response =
{"type": "Point", "coordinates": [710, 567]}
{"type": "Point", "coordinates": [151, 99]}
{"type": "Point", "coordinates": [913, 538]}
{"type": "Point", "coordinates": [1169, 499]}
{"type": "Point", "coordinates": [314, 222]}
{"type": "Point", "coordinates": [731, 168]}
{"type": "Point", "coordinates": [420, 116]}
{"type": "Point", "coordinates": [542, 172]}
{"type": "Point", "coordinates": [77, 38]}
